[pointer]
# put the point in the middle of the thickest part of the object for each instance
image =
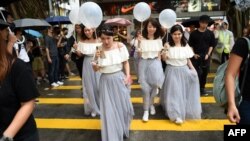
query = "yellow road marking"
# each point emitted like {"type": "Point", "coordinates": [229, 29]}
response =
{"type": "Point", "coordinates": [134, 77]}
{"type": "Point", "coordinates": [94, 124]}
{"type": "Point", "coordinates": [136, 86]}
{"type": "Point", "coordinates": [77, 78]}
{"type": "Point", "coordinates": [209, 99]}
{"type": "Point", "coordinates": [211, 75]}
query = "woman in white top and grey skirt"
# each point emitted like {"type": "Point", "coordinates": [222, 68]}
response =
{"type": "Point", "coordinates": [115, 106]}
{"type": "Point", "coordinates": [180, 96]}
{"type": "Point", "coordinates": [150, 72]}
{"type": "Point", "coordinates": [90, 79]}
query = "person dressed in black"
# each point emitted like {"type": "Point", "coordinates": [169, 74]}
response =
{"type": "Point", "coordinates": [17, 94]}
{"type": "Point", "coordinates": [202, 41]}
{"type": "Point", "coordinates": [75, 56]}
{"type": "Point", "coordinates": [236, 65]}
{"type": "Point", "coordinates": [61, 46]}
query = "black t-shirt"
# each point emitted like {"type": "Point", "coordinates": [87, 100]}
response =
{"type": "Point", "coordinates": [201, 41]}
{"type": "Point", "coordinates": [17, 87]}
{"type": "Point", "coordinates": [240, 48]}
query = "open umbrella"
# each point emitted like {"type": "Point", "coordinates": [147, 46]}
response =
{"type": "Point", "coordinates": [118, 22]}
{"type": "Point", "coordinates": [55, 20]}
{"type": "Point", "coordinates": [33, 33]}
{"type": "Point", "coordinates": [28, 23]}
{"type": "Point", "coordinates": [195, 21]}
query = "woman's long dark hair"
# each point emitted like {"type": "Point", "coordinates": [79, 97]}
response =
{"type": "Point", "coordinates": [107, 30]}
{"type": "Point", "coordinates": [84, 37]}
{"type": "Point", "coordinates": [5, 58]}
{"type": "Point", "coordinates": [158, 33]}
{"type": "Point", "coordinates": [183, 39]}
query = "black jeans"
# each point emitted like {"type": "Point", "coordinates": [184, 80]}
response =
{"type": "Point", "coordinates": [32, 137]}
{"type": "Point", "coordinates": [224, 57]}
{"type": "Point", "coordinates": [202, 67]}
{"type": "Point", "coordinates": [53, 69]}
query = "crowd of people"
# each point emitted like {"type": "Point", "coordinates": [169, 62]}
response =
{"type": "Point", "coordinates": [166, 64]}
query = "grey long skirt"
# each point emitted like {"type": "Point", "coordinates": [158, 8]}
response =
{"type": "Point", "coordinates": [115, 106]}
{"type": "Point", "coordinates": [151, 77]}
{"type": "Point", "coordinates": [90, 83]}
{"type": "Point", "coordinates": [180, 96]}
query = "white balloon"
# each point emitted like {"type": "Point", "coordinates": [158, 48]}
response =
{"type": "Point", "coordinates": [73, 15]}
{"type": "Point", "coordinates": [167, 18]}
{"type": "Point", "coordinates": [141, 11]}
{"type": "Point", "coordinates": [90, 14]}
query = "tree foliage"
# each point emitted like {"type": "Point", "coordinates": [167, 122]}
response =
{"type": "Point", "coordinates": [29, 9]}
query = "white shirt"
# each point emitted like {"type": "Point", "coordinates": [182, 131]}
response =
{"type": "Point", "coordinates": [23, 55]}
{"type": "Point", "coordinates": [177, 56]}
{"type": "Point", "coordinates": [112, 62]}
{"type": "Point", "coordinates": [150, 48]}
{"type": "Point", "coordinates": [88, 48]}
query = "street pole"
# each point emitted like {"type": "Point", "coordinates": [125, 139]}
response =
{"type": "Point", "coordinates": [51, 13]}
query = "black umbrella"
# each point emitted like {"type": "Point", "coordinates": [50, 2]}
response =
{"type": "Point", "coordinates": [195, 21]}
{"type": "Point", "coordinates": [55, 20]}
{"type": "Point", "coordinates": [7, 2]}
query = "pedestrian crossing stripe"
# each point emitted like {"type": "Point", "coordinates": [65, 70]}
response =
{"type": "Point", "coordinates": [134, 77]}
{"type": "Point", "coordinates": [135, 100]}
{"type": "Point", "coordinates": [136, 86]}
{"type": "Point", "coordinates": [153, 125]}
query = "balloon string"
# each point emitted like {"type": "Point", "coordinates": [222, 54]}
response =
{"type": "Point", "coordinates": [95, 35]}
{"type": "Point", "coordinates": [74, 33]}
{"type": "Point", "coordinates": [141, 26]}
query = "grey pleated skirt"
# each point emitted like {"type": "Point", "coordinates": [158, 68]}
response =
{"type": "Point", "coordinates": [180, 96]}
{"type": "Point", "coordinates": [115, 107]}
{"type": "Point", "coordinates": [151, 77]}
{"type": "Point", "coordinates": [90, 83]}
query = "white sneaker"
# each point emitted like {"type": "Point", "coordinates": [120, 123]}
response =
{"type": "Point", "coordinates": [93, 114]}
{"type": "Point", "coordinates": [145, 116]}
{"type": "Point", "coordinates": [38, 82]}
{"type": "Point", "coordinates": [178, 121]}
{"type": "Point", "coordinates": [54, 84]}
{"type": "Point", "coordinates": [157, 91]}
{"type": "Point", "coordinates": [152, 110]}
{"type": "Point", "coordinates": [59, 83]}
{"type": "Point", "coordinates": [72, 74]}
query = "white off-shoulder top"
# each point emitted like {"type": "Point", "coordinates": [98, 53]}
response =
{"type": "Point", "coordinates": [88, 49]}
{"type": "Point", "coordinates": [150, 48]}
{"type": "Point", "coordinates": [112, 62]}
{"type": "Point", "coordinates": [177, 56]}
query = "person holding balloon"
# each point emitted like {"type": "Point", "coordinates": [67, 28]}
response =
{"type": "Point", "coordinates": [150, 72]}
{"type": "Point", "coordinates": [116, 108]}
{"type": "Point", "coordinates": [180, 93]}
{"type": "Point", "coordinates": [90, 81]}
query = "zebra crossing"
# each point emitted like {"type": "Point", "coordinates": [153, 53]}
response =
{"type": "Point", "coordinates": [60, 117]}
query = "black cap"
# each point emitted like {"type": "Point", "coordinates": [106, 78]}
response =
{"type": "Point", "coordinates": [3, 23]}
{"type": "Point", "coordinates": [204, 18]}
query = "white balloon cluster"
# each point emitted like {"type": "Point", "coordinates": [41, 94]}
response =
{"type": "Point", "coordinates": [167, 18]}
{"type": "Point", "coordinates": [73, 15]}
{"type": "Point", "coordinates": [141, 11]}
{"type": "Point", "coordinates": [89, 14]}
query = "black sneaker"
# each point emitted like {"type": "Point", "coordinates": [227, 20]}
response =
{"type": "Point", "coordinates": [203, 92]}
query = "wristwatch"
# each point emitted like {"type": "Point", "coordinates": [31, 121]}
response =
{"type": "Point", "coordinates": [3, 138]}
